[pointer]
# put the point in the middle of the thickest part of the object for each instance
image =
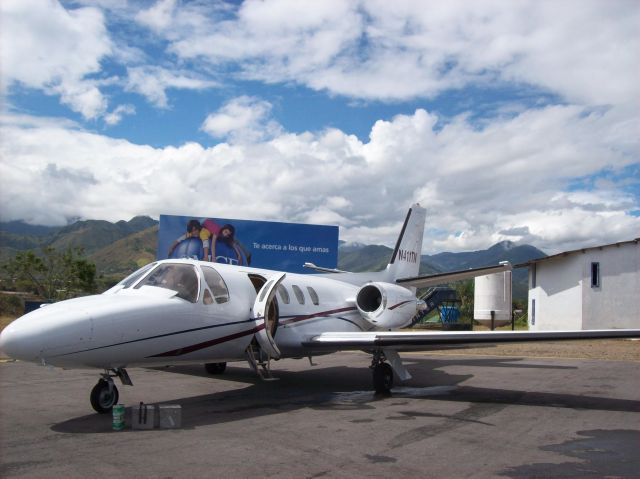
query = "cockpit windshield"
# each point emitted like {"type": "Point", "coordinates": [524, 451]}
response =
{"type": "Point", "coordinates": [136, 275]}
{"type": "Point", "coordinates": [181, 278]}
{"type": "Point", "coordinates": [131, 279]}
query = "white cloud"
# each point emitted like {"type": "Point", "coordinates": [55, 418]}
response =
{"type": "Point", "coordinates": [60, 51]}
{"type": "Point", "coordinates": [506, 181]}
{"type": "Point", "coordinates": [36, 39]}
{"type": "Point", "coordinates": [152, 82]}
{"type": "Point", "coordinates": [84, 98]}
{"type": "Point", "coordinates": [584, 50]}
{"type": "Point", "coordinates": [507, 177]}
{"type": "Point", "coordinates": [562, 227]}
{"type": "Point", "coordinates": [242, 119]}
{"type": "Point", "coordinates": [159, 16]}
{"type": "Point", "coordinates": [175, 20]}
{"type": "Point", "coordinates": [115, 117]}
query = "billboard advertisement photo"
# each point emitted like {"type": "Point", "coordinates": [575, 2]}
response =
{"type": "Point", "coordinates": [260, 244]}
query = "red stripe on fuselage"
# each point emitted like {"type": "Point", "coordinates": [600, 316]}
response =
{"type": "Point", "coordinates": [207, 344]}
{"type": "Point", "coordinates": [231, 337]}
{"type": "Point", "coordinates": [400, 304]}
{"type": "Point", "coordinates": [316, 315]}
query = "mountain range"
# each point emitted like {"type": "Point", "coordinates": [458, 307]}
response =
{"type": "Point", "coordinates": [115, 248]}
{"type": "Point", "coordinates": [119, 248]}
{"type": "Point", "coordinates": [374, 257]}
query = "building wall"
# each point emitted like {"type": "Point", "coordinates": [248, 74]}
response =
{"type": "Point", "coordinates": [565, 299]}
{"type": "Point", "coordinates": [615, 303]}
{"type": "Point", "coordinates": [557, 295]}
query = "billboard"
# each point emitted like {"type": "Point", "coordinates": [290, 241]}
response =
{"type": "Point", "coordinates": [260, 244]}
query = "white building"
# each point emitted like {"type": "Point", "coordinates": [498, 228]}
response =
{"type": "Point", "coordinates": [590, 288]}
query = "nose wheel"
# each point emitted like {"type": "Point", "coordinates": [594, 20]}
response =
{"type": "Point", "coordinates": [103, 396]}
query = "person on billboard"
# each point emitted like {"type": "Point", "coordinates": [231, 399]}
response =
{"type": "Point", "coordinates": [210, 230]}
{"type": "Point", "coordinates": [225, 248]}
{"type": "Point", "coordinates": [184, 246]}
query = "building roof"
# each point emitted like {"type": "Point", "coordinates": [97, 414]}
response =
{"type": "Point", "coordinates": [580, 250]}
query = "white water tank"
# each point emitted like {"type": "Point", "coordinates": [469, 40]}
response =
{"type": "Point", "coordinates": [492, 293]}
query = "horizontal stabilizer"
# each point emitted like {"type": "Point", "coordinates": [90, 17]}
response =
{"type": "Point", "coordinates": [322, 269]}
{"type": "Point", "coordinates": [436, 279]}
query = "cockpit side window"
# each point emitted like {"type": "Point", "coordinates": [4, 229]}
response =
{"type": "Point", "coordinates": [181, 278]}
{"type": "Point", "coordinates": [216, 284]}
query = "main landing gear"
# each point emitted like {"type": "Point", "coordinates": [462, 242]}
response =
{"type": "Point", "coordinates": [382, 373]}
{"type": "Point", "coordinates": [215, 368]}
{"type": "Point", "coordinates": [104, 394]}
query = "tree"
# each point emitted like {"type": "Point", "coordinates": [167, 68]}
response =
{"type": "Point", "coordinates": [464, 290]}
{"type": "Point", "coordinates": [53, 275]}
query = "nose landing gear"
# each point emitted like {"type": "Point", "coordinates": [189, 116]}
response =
{"type": "Point", "coordinates": [104, 394]}
{"type": "Point", "coordinates": [215, 368]}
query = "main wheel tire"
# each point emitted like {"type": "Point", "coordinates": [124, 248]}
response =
{"type": "Point", "coordinates": [383, 378]}
{"type": "Point", "coordinates": [215, 368]}
{"type": "Point", "coordinates": [103, 400]}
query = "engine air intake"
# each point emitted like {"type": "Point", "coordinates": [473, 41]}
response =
{"type": "Point", "coordinates": [369, 298]}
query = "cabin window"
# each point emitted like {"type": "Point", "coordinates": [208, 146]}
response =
{"type": "Point", "coordinates": [181, 278]}
{"type": "Point", "coordinates": [216, 284]}
{"type": "Point", "coordinates": [298, 292]}
{"type": "Point", "coordinates": [314, 296]}
{"type": "Point", "coordinates": [284, 294]}
{"type": "Point", "coordinates": [595, 275]}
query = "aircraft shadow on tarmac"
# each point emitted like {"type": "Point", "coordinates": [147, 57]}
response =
{"type": "Point", "coordinates": [348, 388]}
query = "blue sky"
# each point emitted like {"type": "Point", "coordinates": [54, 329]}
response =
{"type": "Point", "coordinates": [507, 120]}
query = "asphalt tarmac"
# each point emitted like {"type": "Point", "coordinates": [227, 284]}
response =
{"type": "Point", "coordinates": [460, 416]}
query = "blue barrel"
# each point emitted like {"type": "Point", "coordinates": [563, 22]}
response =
{"type": "Point", "coordinates": [449, 314]}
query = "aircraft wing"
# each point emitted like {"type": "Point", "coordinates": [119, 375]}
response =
{"type": "Point", "coordinates": [436, 279]}
{"type": "Point", "coordinates": [435, 340]}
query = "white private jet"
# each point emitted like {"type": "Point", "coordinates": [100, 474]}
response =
{"type": "Point", "coordinates": [186, 311]}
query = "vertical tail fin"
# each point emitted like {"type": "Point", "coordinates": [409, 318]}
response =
{"type": "Point", "coordinates": [405, 261]}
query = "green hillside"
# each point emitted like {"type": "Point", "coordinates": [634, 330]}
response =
{"type": "Point", "coordinates": [372, 258]}
{"type": "Point", "coordinates": [365, 258]}
{"type": "Point", "coordinates": [93, 235]}
{"type": "Point", "coordinates": [503, 251]}
{"type": "Point", "coordinates": [127, 254]}
{"type": "Point", "coordinates": [115, 248]}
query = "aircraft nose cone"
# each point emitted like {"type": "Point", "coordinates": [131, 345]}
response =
{"type": "Point", "coordinates": [8, 341]}
{"type": "Point", "coordinates": [3, 342]}
{"type": "Point", "coordinates": [17, 343]}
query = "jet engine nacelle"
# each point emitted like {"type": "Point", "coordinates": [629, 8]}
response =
{"type": "Point", "coordinates": [386, 305]}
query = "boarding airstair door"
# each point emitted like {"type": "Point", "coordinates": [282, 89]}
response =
{"type": "Point", "coordinates": [265, 315]}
